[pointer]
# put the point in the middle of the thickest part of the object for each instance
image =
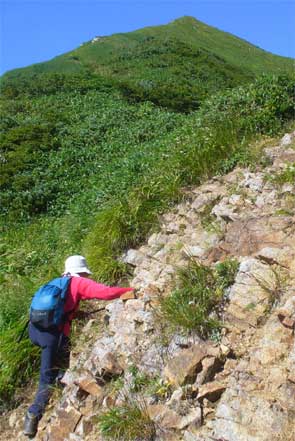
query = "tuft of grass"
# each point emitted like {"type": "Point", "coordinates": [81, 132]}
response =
{"type": "Point", "coordinates": [115, 386]}
{"type": "Point", "coordinates": [128, 422]}
{"type": "Point", "coordinates": [193, 305]}
{"type": "Point", "coordinates": [287, 176]}
{"type": "Point", "coordinates": [139, 379]}
{"type": "Point", "coordinates": [226, 272]}
{"type": "Point", "coordinates": [146, 384]}
{"type": "Point", "coordinates": [208, 220]}
{"type": "Point", "coordinates": [283, 212]}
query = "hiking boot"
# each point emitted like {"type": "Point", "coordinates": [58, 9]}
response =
{"type": "Point", "coordinates": [31, 424]}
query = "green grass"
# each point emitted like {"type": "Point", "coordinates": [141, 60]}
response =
{"type": "Point", "coordinates": [128, 422]}
{"type": "Point", "coordinates": [143, 383]}
{"type": "Point", "coordinates": [192, 306]}
{"type": "Point", "coordinates": [287, 176]}
{"type": "Point", "coordinates": [19, 363]}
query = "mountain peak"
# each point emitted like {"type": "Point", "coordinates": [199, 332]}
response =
{"type": "Point", "coordinates": [186, 19]}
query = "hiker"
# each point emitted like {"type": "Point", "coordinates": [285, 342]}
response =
{"type": "Point", "coordinates": [54, 340]}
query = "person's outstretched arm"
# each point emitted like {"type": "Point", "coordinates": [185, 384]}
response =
{"type": "Point", "coordinates": [88, 289]}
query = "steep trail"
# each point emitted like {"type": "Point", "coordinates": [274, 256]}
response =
{"type": "Point", "coordinates": [239, 388]}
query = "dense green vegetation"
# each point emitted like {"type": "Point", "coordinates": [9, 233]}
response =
{"type": "Point", "coordinates": [52, 156]}
{"type": "Point", "coordinates": [88, 162]}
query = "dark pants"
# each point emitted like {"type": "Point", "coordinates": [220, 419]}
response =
{"type": "Point", "coordinates": [55, 357]}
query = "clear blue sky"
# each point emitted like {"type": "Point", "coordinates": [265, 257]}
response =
{"type": "Point", "coordinates": [37, 30]}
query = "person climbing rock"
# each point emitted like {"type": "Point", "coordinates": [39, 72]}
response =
{"type": "Point", "coordinates": [53, 338]}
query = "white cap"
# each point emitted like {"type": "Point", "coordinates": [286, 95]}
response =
{"type": "Point", "coordinates": [75, 265]}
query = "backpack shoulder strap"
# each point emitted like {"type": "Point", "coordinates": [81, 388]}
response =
{"type": "Point", "coordinates": [62, 283]}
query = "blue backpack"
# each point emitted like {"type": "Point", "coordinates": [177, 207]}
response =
{"type": "Point", "coordinates": [47, 307]}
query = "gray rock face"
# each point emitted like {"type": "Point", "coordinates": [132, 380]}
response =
{"type": "Point", "coordinates": [133, 257]}
{"type": "Point", "coordinates": [245, 417]}
{"type": "Point", "coordinates": [250, 296]}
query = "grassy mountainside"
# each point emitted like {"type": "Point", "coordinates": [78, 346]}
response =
{"type": "Point", "coordinates": [177, 65]}
{"type": "Point", "coordinates": [85, 170]}
{"type": "Point", "coordinates": [106, 52]}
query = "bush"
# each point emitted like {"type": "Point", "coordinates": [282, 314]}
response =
{"type": "Point", "coordinates": [51, 158]}
{"type": "Point", "coordinates": [260, 107]}
{"type": "Point", "coordinates": [51, 83]}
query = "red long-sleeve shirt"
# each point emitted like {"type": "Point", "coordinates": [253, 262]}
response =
{"type": "Point", "coordinates": [81, 288]}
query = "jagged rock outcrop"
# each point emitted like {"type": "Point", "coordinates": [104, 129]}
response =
{"type": "Point", "coordinates": [240, 388]}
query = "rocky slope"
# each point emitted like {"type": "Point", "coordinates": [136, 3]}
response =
{"type": "Point", "coordinates": [240, 387]}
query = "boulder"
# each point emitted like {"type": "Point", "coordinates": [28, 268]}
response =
{"type": "Point", "coordinates": [288, 188]}
{"type": "Point", "coordinates": [272, 255]}
{"type": "Point", "coordinates": [102, 361]}
{"type": "Point", "coordinates": [288, 309]}
{"type": "Point", "coordinates": [127, 296]}
{"type": "Point", "coordinates": [85, 427]}
{"type": "Point", "coordinates": [225, 211]}
{"type": "Point", "coordinates": [202, 200]}
{"type": "Point", "coordinates": [163, 416]}
{"type": "Point", "coordinates": [241, 416]}
{"type": "Point", "coordinates": [167, 418]}
{"type": "Point", "coordinates": [210, 366]}
{"type": "Point", "coordinates": [67, 419]}
{"type": "Point", "coordinates": [212, 391]}
{"type": "Point", "coordinates": [286, 156]}
{"type": "Point", "coordinates": [185, 366]}
{"type": "Point", "coordinates": [193, 251]}
{"type": "Point", "coordinates": [287, 139]}
{"type": "Point", "coordinates": [254, 181]}
{"type": "Point", "coordinates": [250, 235]}
{"type": "Point", "coordinates": [88, 383]}
{"type": "Point", "coordinates": [267, 198]}
{"type": "Point", "coordinates": [289, 322]}
{"type": "Point", "coordinates": [251, 293]}
{"type": "Point", "coordinates": [133, 257]}
{"type": "Point", "coordinates": [236, 200]}
{"type": "Point", "coordinates": [157, 240]}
